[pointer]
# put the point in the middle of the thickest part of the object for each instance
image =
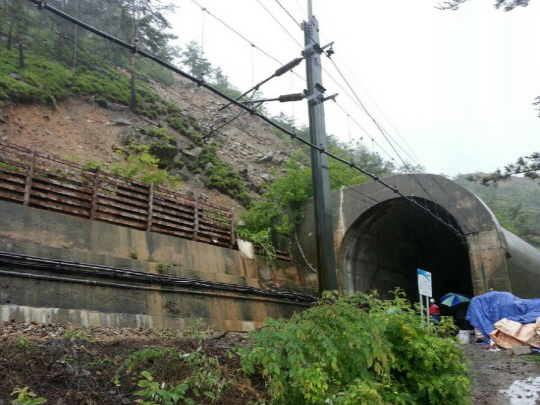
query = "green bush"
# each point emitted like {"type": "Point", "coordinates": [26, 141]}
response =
{"type": "Point", "coordinates": [358, 350]}
{"type": "Point", "coordinates": [140, 164]}
{"type": "Point", "coordinates": [192, 378]}
{"type": "Point", "coordinates": [44, 81]}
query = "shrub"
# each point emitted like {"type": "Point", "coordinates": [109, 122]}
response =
{"type": "Point", "coordinates": [357, 350]}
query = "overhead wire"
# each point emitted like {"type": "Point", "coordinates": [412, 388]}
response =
{"type": "Point", "coordinates": [418, 160]}
{"type": "Point", "coordinates": [383, 132]}
{"type": "Point", "coordinates": [289, 14]}
{"type": "Point", "coordinates": [237, 33]}
{"type": "Point", "coordinates": [349, 187]}
{"type": "Point", "coordinates": [279, 23]}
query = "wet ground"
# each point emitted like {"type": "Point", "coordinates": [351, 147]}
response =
{"type": "Point", "coordinates": [502, 378]}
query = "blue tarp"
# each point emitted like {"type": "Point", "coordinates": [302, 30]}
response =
{"type": "Point", "coordinates": [487, 309]}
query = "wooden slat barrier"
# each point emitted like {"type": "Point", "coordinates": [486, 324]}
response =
{"type": "Point", "coordinates": [44, 181]}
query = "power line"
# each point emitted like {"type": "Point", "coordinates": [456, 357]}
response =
{"type": "Point", "coordinates": [296, 22]}
{"type": "Point", "coordinates": [289, 14]}
{"type": "Point", "coordinates": [382, 131]}
{"type": "Point", "coordinates": [367, 112]}
{"type": "Point", "coordinates": [235, 31]}
{"type": "Point", "coordinates": [281, 25]}
{"type": "Point", "coordinates": [418, 161]}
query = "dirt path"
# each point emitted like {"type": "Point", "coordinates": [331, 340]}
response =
{"type": "Point", "coordinates": [501, 378]}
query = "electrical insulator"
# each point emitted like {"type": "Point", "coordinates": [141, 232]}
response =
{"type": "Point", "coordinates": [289, 66]}
{"type": "Point", "coordinates": [291, 97]}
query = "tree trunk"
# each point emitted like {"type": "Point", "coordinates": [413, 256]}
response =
{"type": "Point", "coordinates": [10, 31]}
{"type": "Point", "coordinates": [133, 43]}
{"type": "Point", "coordinates": [75, 43]}
{"type": "Point", "coordinates": [20, 34]}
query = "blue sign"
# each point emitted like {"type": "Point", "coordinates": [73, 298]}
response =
{"type": "Point", "coordinates": [424, 282]}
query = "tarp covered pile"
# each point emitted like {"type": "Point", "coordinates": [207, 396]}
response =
{"type": "Point", "coordinates": [506, 319]}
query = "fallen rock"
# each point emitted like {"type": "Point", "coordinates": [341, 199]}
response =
{"type": "Point", "coordinates": [184, 173]}
{"type": "Point", "coordinates": [16, 77]}
{"type": "Point", "coordinates": [122, 122]}
{"type": "Point", "coordinates": [194, 153]}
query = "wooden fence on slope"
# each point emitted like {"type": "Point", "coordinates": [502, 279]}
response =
{"type": "Point", "coordinates": [42, 181]}
{"type": "Point", "coordinates": [38, 180]}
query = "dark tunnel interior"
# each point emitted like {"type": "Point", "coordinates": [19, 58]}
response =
{"type": "Point", "coordinates": [390, 241]}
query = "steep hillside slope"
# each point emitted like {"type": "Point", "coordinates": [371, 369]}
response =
{"type": "Point", "coordinates": [81, 130]}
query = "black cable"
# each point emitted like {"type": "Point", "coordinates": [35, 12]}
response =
{"type": "Point", "coordinates": [176, 95]}
{"type": "Point", "coordinates": [289, 14]}
{"type": "Point", "coordinates": [384, 134]}
{"type": "Point", "coordinates": [281, 25]}
{"type": "Point", "coordinates": [70, 267]}
{"type": "Point", "coordinates": [279, 72]}
{"type": "Point", "coordinates": [363, 130]}
{"type": "Point", "coordinates": [284, 153]}
{"type": "Point", "coordinates": [365, 110]}
{"type": "Point", "coordinates": [348, 186]}
{"type": "Point", "coordinates": [237, 33]}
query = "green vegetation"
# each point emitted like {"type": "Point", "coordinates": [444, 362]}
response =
{"type": "Point", "coordinates": [26, 397]}
{"type": "Point", "coordinates": [515, 203]}
{"type": "Point", "coordinates": [358, 350]}
{"type": "Point", "coordinates": [355, 350]}
{"type": "Point", "coordinates": [46, 60]}
{"type": "Point", "coordinates": [220, 175]}
{"type": "Point", "coordinates": [138, 163]}
{"type": "Point", "coordinates": [267, 224]}
{"type": "Point", "coordinates": [44, 81]}
{"type": "Point", "coordinates": [203, 384]}
{"type": "Point", "coordinates": [75, 334]}
{"type": "Point", "coordinates": [162, 267]}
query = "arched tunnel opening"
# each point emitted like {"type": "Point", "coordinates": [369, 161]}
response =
{"type": "Point", "coordinates": [388, 243]}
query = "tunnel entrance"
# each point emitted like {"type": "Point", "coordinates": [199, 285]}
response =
{"type": "Point", "coordinates": [388, 242]}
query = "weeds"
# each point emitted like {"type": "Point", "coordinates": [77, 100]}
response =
{"type": "Point", "coordinates": [162, 267]}
{"type": "Point", "coordinates": [76, 334]}
{"type": "Point", "coordinates": [25, 397]}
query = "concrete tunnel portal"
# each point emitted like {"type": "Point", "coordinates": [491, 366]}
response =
{"type": "Point", "coordinates": [390, 241]}
{"type": "Point", "coordinates": [380, 240]}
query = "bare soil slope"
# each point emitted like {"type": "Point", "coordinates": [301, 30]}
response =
{"type": "Point", "coordinates": [80, 130]}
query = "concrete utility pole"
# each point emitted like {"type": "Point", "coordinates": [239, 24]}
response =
{"type": "Point", "coordinates": [324, 230]}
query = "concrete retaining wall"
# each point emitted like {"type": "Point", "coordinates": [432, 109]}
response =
{"type": "Point", "coordinates": [36, 295]}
